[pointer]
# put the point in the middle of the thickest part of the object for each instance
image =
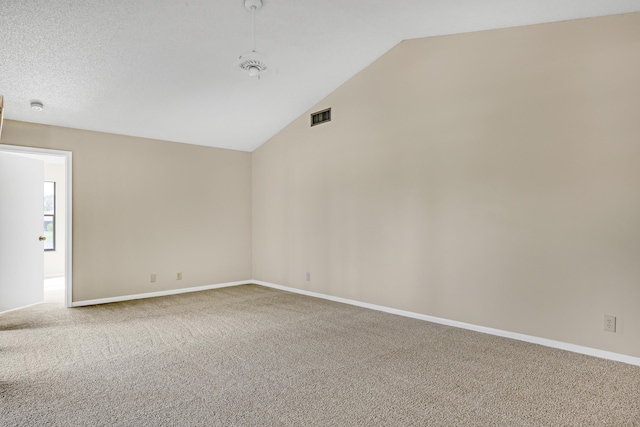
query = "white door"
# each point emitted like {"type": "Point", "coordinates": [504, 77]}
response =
{"type": "Point", "coordinates": [21, 225]}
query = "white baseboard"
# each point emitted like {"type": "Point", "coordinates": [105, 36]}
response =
{"type": "Point", "coordinates": [507, 334]}
{"type": "Point", "coordinates": [157, 294]}
{"type": "Point", "coordinates": [20, 308]}
{"type": "Point", "coordinates": [492, 331]}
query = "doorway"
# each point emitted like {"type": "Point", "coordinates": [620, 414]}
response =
{"type": "Point", "coordinates": [57, 279]}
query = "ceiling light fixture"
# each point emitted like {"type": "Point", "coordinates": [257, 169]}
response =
{"type": "Point", "coordinates": [37, 106]}
{"type": "Point", "coordinates": [253, 63]}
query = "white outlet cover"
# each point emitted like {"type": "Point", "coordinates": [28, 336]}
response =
{"type": "Point", "coordinates": [609, 323]}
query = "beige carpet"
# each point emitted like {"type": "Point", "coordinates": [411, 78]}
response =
{"type": "Point", "coordinates": [253, 356]}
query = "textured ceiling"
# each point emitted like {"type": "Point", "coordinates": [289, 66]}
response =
{"type": "Point", "coordinates": [166, 69]}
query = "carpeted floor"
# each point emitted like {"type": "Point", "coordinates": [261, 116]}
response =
{"type": "Point", "coordinates": [254, 356]}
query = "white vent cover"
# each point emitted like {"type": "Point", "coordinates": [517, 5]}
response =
{"type": "Point", "coordinates": [320, 117]}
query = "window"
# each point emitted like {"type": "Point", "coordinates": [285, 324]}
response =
{"type": "Point", "coordinates": [50, 216]}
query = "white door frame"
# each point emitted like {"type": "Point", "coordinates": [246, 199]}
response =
{"type": "Point", "coordinates": [68, 270]}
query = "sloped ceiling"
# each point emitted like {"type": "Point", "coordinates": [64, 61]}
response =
{"type": "Point", "coordinates": [167, 69]}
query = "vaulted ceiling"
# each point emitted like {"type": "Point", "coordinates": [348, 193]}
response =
{"type": "Point", "coordinates": [168, 69]}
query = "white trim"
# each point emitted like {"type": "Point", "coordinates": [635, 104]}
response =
{"type": "Point", "coordinates": [158, 294]}
{"type": "Point", "coordinates": [68, 157]}
{"type": "Point", "coordinates": [501, 333]}
{"type": "Point", "coordinates": [68, 244]}
{"type": "Point", "coordinates": [20, 308]}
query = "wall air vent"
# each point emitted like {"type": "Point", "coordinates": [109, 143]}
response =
{"type": "Point", "coordinates": [321, 117]}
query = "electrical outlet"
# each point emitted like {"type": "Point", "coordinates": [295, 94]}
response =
{"type": "Point", "coordinates": [179, 276]}
{"type": "Point", "coordinates": [152, 278]}
{"type": "Point", "coordinates": [609, 323]}
{"type": "Point", "coordinates": [308, 276]}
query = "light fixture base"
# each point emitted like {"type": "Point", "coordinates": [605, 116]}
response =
{"type": "Point", "coordinates": [253, 4]}
{"type": "Point", "coordinates": [253, 63]}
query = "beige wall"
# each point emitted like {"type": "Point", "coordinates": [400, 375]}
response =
{"type": "Point", "coordinates": [54, 260]}
{"type": "Point", "coordinates": [490, 178]}
{"type": "Point", "coordinates": [142, 206]}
